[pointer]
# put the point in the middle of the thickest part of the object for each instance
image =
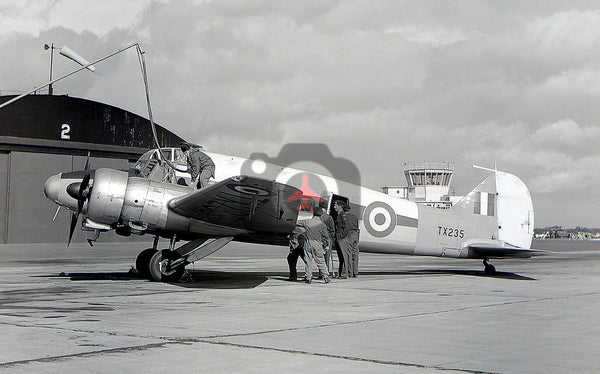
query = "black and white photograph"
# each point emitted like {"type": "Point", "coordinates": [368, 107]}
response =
{"type": "Point", "coordinates": [259, 186]}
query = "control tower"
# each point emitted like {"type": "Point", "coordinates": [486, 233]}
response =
{"type": "Point", "coordinates": [428, 183]}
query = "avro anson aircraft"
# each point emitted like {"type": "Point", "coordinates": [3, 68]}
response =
{"type": "Point", "coordinates": [494, 220]}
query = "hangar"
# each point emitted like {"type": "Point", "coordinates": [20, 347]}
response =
{"type": "Point", "coordinates": [42, 135]}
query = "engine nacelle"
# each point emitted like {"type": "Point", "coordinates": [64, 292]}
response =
{"type": "Point", "coordinates": [106, 198]}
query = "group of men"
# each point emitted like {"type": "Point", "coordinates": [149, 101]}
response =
{"type": "Point", "coordinates": [313, 240]}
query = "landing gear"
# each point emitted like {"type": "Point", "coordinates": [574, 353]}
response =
{"type": "Point", "coordinates": [161, 266]}
{"type": "Point", "coordinates": [168, 265]}
{"type": "Point", "coordinates": [489, 268]}
{"type": "Point", "coordinates": [142, 262]}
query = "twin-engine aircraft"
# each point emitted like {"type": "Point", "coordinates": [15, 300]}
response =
{"type": "Point", "coordinates": [251, 200]}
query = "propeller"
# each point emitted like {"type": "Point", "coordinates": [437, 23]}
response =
{"type": "Point", "coordinates": [79, 191]}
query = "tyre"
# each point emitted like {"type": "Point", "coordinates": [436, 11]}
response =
{"type": "Point", "coordinates": [142, 262]}
{"type": "Point", "coordinates": [489, 270]}
{"type": "Point", "coordinates": [159, 269]}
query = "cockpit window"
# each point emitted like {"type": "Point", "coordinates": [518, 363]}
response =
{"type": "Point", "coordinates": [178, 155]}
{"type": "Point", "coordinates": [146, 166]}
{"type": "Point", "coordinates": [146, 156]}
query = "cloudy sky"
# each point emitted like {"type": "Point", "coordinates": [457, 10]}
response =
{"type": "Point", "coordinates": [516, 84]}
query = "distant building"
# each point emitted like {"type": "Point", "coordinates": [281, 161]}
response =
{"type": "Point", "coordinates": [427, 183]}
{"type": "Point", "coordinates": [42, 135]}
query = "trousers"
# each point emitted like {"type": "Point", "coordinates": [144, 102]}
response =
{"type": "Point", "coordinates": [353, 252]}
{"type": "Point", "coordinates": [313, 251]}
{"type": "Point", "coordinates": [204, 176]}
{"type": "Point", "coordinates": [292, 259]}
{"type": "Point", "coordinates": [345, 269]}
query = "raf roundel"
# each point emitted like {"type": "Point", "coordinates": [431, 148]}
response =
{"type": "Point", "coordinates": [250, 190]}
{"type": "Point", "coordinates": [379, 219]}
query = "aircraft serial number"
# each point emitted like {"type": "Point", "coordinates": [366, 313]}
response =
{"type": "Point", "coordinates": [450, 231]}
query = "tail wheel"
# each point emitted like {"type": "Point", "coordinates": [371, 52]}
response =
{"type": "Point", "coordinates": [142, 262]}
{"type": "Point", "coordinates": [160, 269]}
{"type": "Point", "coordinates": [489, 269]}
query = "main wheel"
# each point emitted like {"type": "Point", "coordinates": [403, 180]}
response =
{"type": "Point", "coordinates": [142, 262]}
{"type": "Point", "coordinates": [160, 269]}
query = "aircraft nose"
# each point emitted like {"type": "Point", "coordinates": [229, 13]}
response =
{"type": "Point", "coordinates": [52, 187]}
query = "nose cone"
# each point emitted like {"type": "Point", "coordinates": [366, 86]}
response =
{"type": "Point", "coordinates": [52, 187]}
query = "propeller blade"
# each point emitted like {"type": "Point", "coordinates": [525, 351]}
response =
{"type": "Point", "coordinates": [81, 196]}
{"type": "Point", "coordinates": [87, 162]}
{"type": "Point", "coordinates": [83, 191]}
{"type": "Point", "coordinates": [74, 219]}
{"type": "Point", "coordinates": [83, 187]}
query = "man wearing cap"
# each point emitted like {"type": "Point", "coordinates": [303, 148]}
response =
{"type": "Point", "coordinates": [200, 165]}
{"type": "Point", "coordinates": [328, 221]}
{"type": "Point", "coordinates": [353, 239]}
{"type": "Point", "coordinates": [317, 239]}
{"type": "Point", "coordinates": [346, 233]}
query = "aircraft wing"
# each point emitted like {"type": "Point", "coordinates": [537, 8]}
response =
{"type": "Point", "coordinates": [243, 202]}
{"type": "Point", "coordinates": [497, 249]}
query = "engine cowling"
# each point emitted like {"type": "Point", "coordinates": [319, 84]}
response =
{"type": "Point", "coordinates": [105, 201]}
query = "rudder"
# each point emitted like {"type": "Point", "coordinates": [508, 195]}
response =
{"type": "Point", "coordinates": [515, 210]}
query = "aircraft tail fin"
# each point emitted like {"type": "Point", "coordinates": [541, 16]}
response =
{"type": "Point", "coordinates": [515, 210]}
{"type": "Point", "coordinates": [503, 200]}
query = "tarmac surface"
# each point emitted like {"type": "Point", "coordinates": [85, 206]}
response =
{"type": "Point", "coordinates": [78, 309]}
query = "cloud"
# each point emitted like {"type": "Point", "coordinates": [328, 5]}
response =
{"type": "Point", "coordinates": [26, 17]}
{"type": "Point", "coordinates": [431, 36]}
{"type": "Point", "coordinates": [567, 133]}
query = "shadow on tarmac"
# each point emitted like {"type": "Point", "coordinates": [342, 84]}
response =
{"type": "Point", "coordinates": [209, 279]}
{"type": "Point", "coordinates": [192, 279]}
{"type": "Point", "coordinates": [224, 280]}
{"type": "Point", "coordinates": [473, 273]}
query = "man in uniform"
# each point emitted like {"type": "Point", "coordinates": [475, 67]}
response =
{"type": "Point", "coordinates": [328, 221]}
{"type": "Point", "coordinates": [340, 235]}
{"type": "Point", "coordinates": [353, 239]}
{"type": "Point", "coordinates": [317, 238]}
{"type": "Point", "coordinates": [200, 165]}
{"type": "Point", "coordinates": [297, 243]}
{"type": "Point", "coordinates": [346, 233]}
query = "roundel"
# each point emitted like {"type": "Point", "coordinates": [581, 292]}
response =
{"type": "Point", "coordinates": [379, 219]}
{"type": "Point", "coordinates": [249, 190]}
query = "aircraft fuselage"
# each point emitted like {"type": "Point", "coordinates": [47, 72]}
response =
{"type": "Point", "coordinates": [387, 224]}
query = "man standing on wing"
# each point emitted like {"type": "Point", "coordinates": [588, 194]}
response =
{"type": "Point", "coordinates": [200, 165]}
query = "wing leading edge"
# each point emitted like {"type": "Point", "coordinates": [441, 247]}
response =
{"type": "Point", "coordinates": [249, 203]}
